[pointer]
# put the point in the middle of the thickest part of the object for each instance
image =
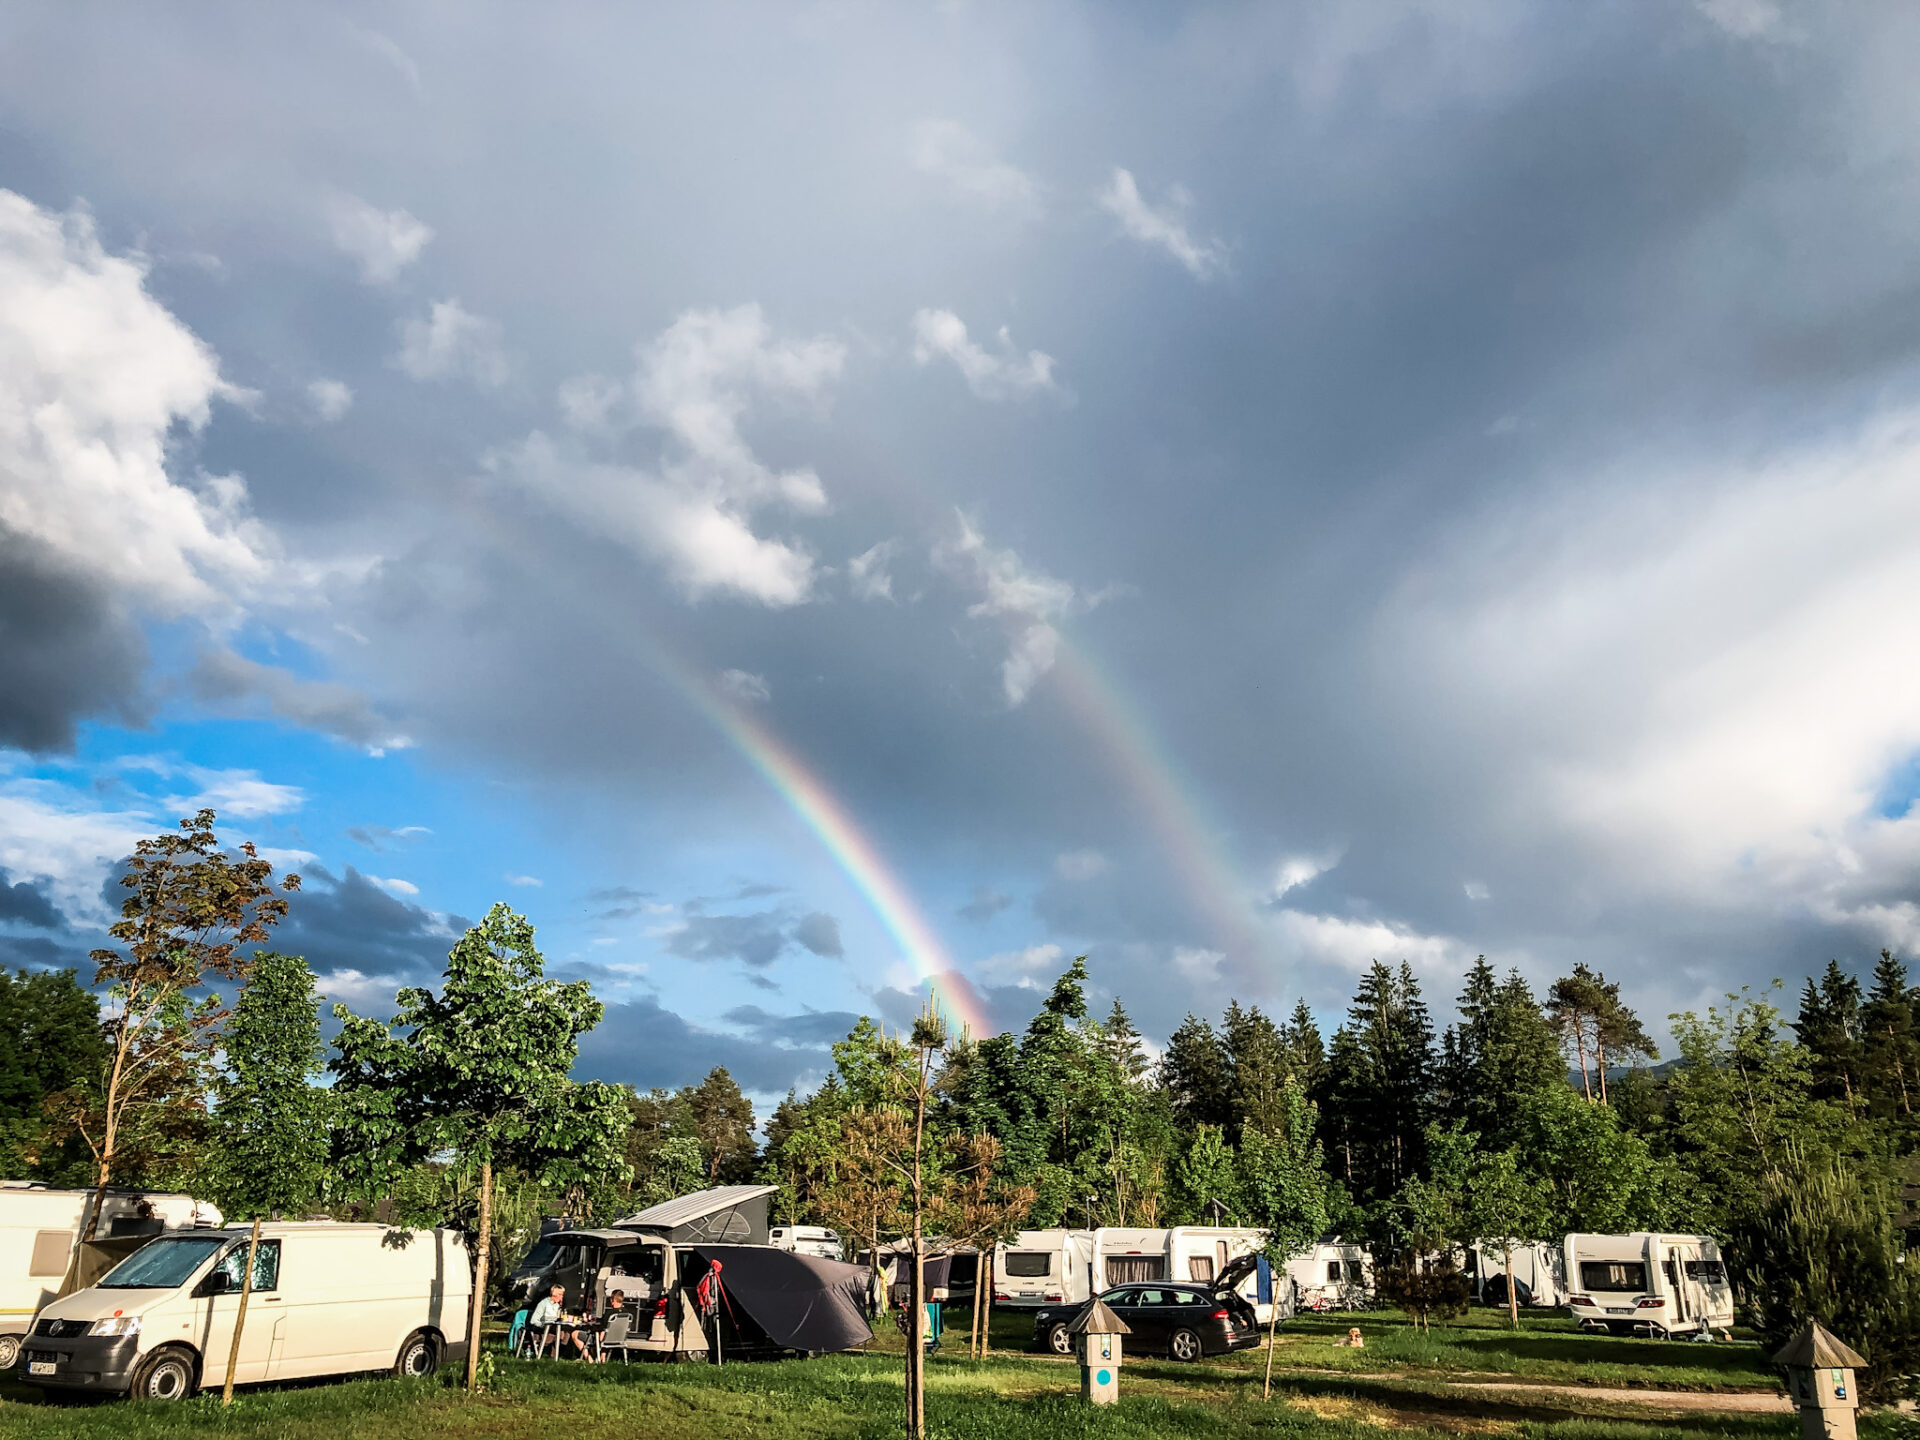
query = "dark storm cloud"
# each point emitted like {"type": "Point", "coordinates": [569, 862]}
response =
{"type": "Point", "coordinates": [811, 1030]}
{"type": "Point", "coordinates": [37, 952]}
{"type": "Point", "coordinates": [27, 904]}
{"type": "Point", "coordinates": [819, 933]}
{"type": "Point", "coordinates": [643, 1044]}
{"type": "Point", "coordinates": [358, 938]}
{"type": "Point", "coordinates": [758, 939]}
{"type": "Point", "coordinates": [984, 905]}
{"type": "Point", "coordinates": [230, 683]}
{"type": "Point", "coordinates": [66, 650]}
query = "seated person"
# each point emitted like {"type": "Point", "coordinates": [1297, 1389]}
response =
{"type": "Point", "coordinates": [553, 1311]}
{"type": "Point", "coordinates": [616, 1305]}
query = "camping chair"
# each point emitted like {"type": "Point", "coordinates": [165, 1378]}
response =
{"type": "Point", "coordinates": [614, 1336]}
{"type": "Point", "coordinates": [517, 1332]}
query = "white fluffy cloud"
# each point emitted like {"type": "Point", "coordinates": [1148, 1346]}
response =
{"type": "Point", "coordinates": [1354, 944]}
{"type": "Point", "coordinates": [953, 154]}
{"type": "Point", "coordinates": [1164, 228]}
{"type": "Point", "coordinates": [453, 343]}
{"type": "Point", "coordinates": [47, 835]}
{"type": "Point", "coordinates": [384, 242]}
{"type": "Point", "coordinates": [695, 515]}
{"type": "Point", "coordinates": [746, 687]}
{"type": "Point", "coordinates": [867, 573]}
{"type": "Point", "coordinates": [1025, 601]}
{"type": "Point", "coordinates": [1022, 967]}
{"type": "Point", "coordinates": [93, 374]}
{"type": "Point", "coordinates": [331, 399]}
{"type": "Point", "coordinates": [1297, 870]}
{"type": "Point", "coordinates": [1003, 376]}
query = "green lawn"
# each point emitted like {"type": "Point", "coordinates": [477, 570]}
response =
{"type": "Point", "coordinates": [1399, 1383]}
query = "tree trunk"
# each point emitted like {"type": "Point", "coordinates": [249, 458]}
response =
{"type": "Point", "coordinates": [1600, 1062]}
{"type": "Point", "coordinates": [476, 1307]}
{"type": "Point", "coordinates": [240, 1318]}
{"type": "Point", "coordinates": [986, 1320]}
{"type": "Point", "coordinates": [917, 1287]}
{"type": "Point", "coordinates": [1580, 1045]}
{"type": "Point", "coordinates": [1513, 1298]}
{"type": "Point", "coordinates": [1273, 1324]}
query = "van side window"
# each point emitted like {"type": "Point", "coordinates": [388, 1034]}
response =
{"type": "Point", "coordinates": [1616, 1275]}
{"type": "Point", "coordinates": [266, 1266]}
{"type": "Point", "coordinates": [1708, 1272]}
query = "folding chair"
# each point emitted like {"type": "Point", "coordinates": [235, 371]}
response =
{"type": "Point", "coordinates": [517, 1332]}
{"type": "Point", "coordinates": [615, 1336]}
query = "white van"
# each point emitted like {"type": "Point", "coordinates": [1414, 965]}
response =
{"type": "Point", "coordinates": [40, 1228]}
{"type": "Point", "coordinates": [328, 1299]}
{"type": "Point", "coordinates": [1331, 1276]}
{"type": "Point", "coordinates": [1043, 1267]}
{"type": "Point", "coordinates": [1645, 1283]}
{"type": "Point", "coordinates": [807, 1240]}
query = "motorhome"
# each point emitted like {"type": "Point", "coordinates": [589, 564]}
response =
{"type": "Point", "coordinates": [1646, 1283]}
{"type": "Point", "coordinates": [1043, 1267]}
{"type": "Point", "coordinates": [327, 1299]}
{"type": "Point", "coordinates": [1539, 1273]}
{"type": "Point", "coordinates": [1202, 1253]}
{"type": "Point", "coordinates": [807, 1240]}
{"type": "Point", "coordinates": [1331, 1276]}
{"type": "Point", "coordinates": [40, 1232]}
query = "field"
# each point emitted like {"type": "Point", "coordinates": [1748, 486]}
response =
{"type": "Point", "coordinates": [1555, 1385]}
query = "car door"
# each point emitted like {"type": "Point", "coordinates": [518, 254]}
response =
{"type": "Point", "coordinates": [218, 1301]}
{"type": "Point", "coordinates": [1150, 1319]}
{"type": "Point", "coordinates": [1125, 1303]}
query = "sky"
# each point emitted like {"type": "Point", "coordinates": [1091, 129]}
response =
{"type": "Point", "coordinates": [811, 501]}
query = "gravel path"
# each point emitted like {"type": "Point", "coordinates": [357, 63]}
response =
{"type": "Point", "coordinates": [1743, 1402]}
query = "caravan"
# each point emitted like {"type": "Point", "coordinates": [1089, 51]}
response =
{"type": "Point", "coordinates": [1539, 1273]}
{"type": "Point", "coordinates": [40, 1230]}
{"type": "Point", "coordinates": [327, 1299]}
{"type": "Point", "coordinates": [1646, 1283]}
{"type": "Point", "coordinates": [1124, 1255]}
{"type": "Point", "coordinates": [1043, 1267]}
{"type": "Point", "coordinates": [1332, 1276]}
{"type": "Point", "coordinates": [1202, 1253]}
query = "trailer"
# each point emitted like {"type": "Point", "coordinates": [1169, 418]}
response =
{"type": "Point", "coordinates": [1648, 1284]}
{"type": "Point", "coordinates": [41, 1257]}
{"type": "Point", "coordinates": [1043, 1267]}
{"type": "Point", "coordinates": [1202, 1253]}
{"type": "Point", "coordinates": [1539, 1273]}
{"type": "Point", "coordinates": [1332, 1276]}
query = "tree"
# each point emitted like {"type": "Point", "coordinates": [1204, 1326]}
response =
{"type": "Point", "coordinates": [270, 1121]}
{"type": "Point", "coordinates": [1503, 1051]}
{"type": "Point", "coordinates": [1209, 1178]}
{"type": "Point", "coordinates": [1594, 1175]}
{"type": "Point", "coordinates": [1197, 1075]}
{"type": "Point", "coordinates": [50, 1042]}
{"type": "Point", "coordinates": [1892, 1059]}
{"type": "Point", "coordinates": [1282, 1176]}
{"type": "Point", "coordinates": [1830, 1028]}
{"type": "Point", "coordinates": [1588, 1016]}
{"type": "Point", "coordinates": [191, 908]}
{"type": "Point", "coordinates": [1306, 1052]}
{"type": "Point", "coordinates": [1507, 1209]}
{"type": "Point", "coordinates": [1258, 1059]}
{"type": "Point", "coordinates": [722, 1120]}
{"type": "Point", "coordinates": [1123, 1045]}
{"type": "Point", "coordinates": [1426, 1220]}
{"type": "Point", "coordinates": [479, 1071]}
{"type": "Point", "coordinates": [1380, 1073]}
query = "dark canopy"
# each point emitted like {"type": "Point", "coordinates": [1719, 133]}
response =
{"type": "Point", "coordinates": [802, 1302]}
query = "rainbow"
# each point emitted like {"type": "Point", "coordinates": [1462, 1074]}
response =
{"type": "Point", "coordinates": [821, 812]}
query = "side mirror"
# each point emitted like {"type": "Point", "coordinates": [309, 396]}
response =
{"type": "Point", "coordinates": [218, 1283]}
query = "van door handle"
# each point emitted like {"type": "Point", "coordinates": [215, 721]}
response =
{"type": "Point", "coordinates": [270, 1300]}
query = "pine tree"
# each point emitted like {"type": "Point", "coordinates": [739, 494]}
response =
{"type": "Point", "coordinates": [1830, 1027]}
{"type": "Point", "coordinates": [1892, 1060]}
{"type": "Point", "coordinates": [1306, 1052]}
{"type": "Point", "coordinates": [1123, 1045]}
{"type": "Point", "coordinates": [1382, 1073]}
{"type": "Point", "coordinates": [1503, 1051]}
{"type": "Point", "coordinates": [1197, 1075]}
{"type": "Point", "coordinates": [1257, 1058]}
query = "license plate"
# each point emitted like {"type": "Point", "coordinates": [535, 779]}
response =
{"type": "Point", "coordinates": [1619, 1309]}
{"type": "Point", "coordinates": [41, 1367]}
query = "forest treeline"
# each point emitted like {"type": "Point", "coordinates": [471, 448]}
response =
{"type": "Point", "coordinates": [1789, 1137]}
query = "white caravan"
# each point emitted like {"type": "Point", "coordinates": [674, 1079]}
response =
{"type": "Point", "coordinates": [807, 1240]}
{"type": "Point", "coordinates": [1201, 1253]}
{"type": "Point", "coordinates": [1123, 1255]}
{"type": "Point", "coordinates": [1539, 1269]}
{"type": "Point", "coordinates": [39, 1229]}
{"type": "Point", "coordinates": [1648, 1283]}
{"type": "Point", "coordinates": [1043, 1267]}
{"type": "Point", "coordinates": [328, 1299]}
{"type": "Point", "coordinates": [1331, 1276]}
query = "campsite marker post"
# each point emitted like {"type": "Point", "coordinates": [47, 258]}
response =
{"type": "Point", "coordinates": [1097, 1340]}
{"type": "Point", "coordinates": [1820, 1370]}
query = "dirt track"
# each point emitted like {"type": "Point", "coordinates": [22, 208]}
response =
{"type": "Point", "coordinates": [1744, 1402]}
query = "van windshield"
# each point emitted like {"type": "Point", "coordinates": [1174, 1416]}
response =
{"type": "Point", "coordinates": [164, 1264]}
{"type": "Point", "coordinates": [537, 1259]}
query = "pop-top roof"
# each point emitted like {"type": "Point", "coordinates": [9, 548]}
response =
{"type": "Point", "coordinates": [669, 1214]}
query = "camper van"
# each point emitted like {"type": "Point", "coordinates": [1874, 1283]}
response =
{"type": "Point", "coordinates": [328, 1299]}
{"type": "Point", "coordinates": [41, 1228]}
{"type": "Point", "coordinates": [1539, 1273]}
{"type": "Point", "coordinates": [807, 1240]}
{"type": "Point", "coordinates": [1648, 1284]}
{"type": "Point", "coordinates": [1332, 1276]}
{"type": "Point", "coordinates": [1202, 1253]}
{"type": "Point", "coordinates": [1043, 1267]}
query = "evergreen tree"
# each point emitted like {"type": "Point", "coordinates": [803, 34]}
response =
{"type": "Point", "coordinates": [1892, 1058]}
{"type": "Point", "coordinates": [1257, 1061]}
{"type": "Point", "coordinates": [1197, 1075]}
{"type": "Point", "coordinates": [722, 1120]}
{"type": "Point", "coordinates": [1381, 1072]}
{"type": "Point", "coordinates": [1306, 1052]}
{"type": "Point", "coordinates": [1830, 1028]}
{"type": "Point", "coordinates": [1503, 1051]}
{"type": "Point", "coordinates": [1123, 1045]}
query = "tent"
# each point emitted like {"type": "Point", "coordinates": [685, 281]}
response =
{"type": "Point", "coordinates": [727, 1214]}
{"type": "Point", "coordinates": [777, 1300]}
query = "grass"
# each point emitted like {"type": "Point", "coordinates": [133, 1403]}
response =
{"type": "Point", "coordinates": [1399, 1382]}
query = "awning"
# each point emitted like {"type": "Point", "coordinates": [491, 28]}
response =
{"type": "Point", "coordinates": [802, 1302]}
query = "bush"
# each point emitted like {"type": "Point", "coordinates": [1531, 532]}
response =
{"type": "Point", "coordinates": [1427, 1287]}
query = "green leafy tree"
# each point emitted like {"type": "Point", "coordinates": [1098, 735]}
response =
{"type": "Point", "coordinates": [50, 1042]}
{"type": "Point", "coordinates": [270, 1121]}
{"type": "Point", "coordinates": [723, 1121]}
{"type": "Point", "coordinates": [191, 908]}
{"type": "Point", "coordinates": [1282, 1176]}
{"type": "Point", "coordinates": [1209, 1178]}
{"type": "Point", "coordinates": [1506, 1208]}
{"type": "Point", "coordinates": [479, 1071]}
{"type": "Point", "coordinates": [1595, 1175]}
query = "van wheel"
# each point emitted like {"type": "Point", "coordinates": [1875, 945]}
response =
{"type": "Point", "coordinates": [1185, 1345]}
{"type": "Point", "coordinates": [419, 1357]}
{"type": "Point", "coordinates": [1059, 1340]}
{"type": "Point", "coordinates": [9, 1351]}
{"type": "Point", "coordinates": [165, 1375]}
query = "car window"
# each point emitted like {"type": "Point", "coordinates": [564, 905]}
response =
{"type": "Point", "coordinates": [266, 1266]}
{"type": "Point", "coordinates": [1122, 1297]}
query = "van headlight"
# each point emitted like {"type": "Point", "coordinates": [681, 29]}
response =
{"type": "Point", "coordinates": [116, 1325]}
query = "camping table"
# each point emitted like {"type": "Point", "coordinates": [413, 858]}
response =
{"type": "Point", "coordinates": [557, 1331]}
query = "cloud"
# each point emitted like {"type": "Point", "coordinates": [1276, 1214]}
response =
{"type": "Point", "coordinates": [452, 343]}
{"type": "Point", "coordinates": [1474, 890]}
{"type": "Point", "coordinates": [1297, 870]}
{"type": "Point", "coordinates": [1746, 19]}
{"type": "Point", "coordinates": [1024, 600]}
{"type": "Point", "coordinates": [644, 1044]}
{"type": "Point", "coordinates": [395, 887]}
{"type": "Point", "coordinates": [362, 939]}
{"type": "Point", "coordinates": [1023, 967]}
{"type": "Point", "coordinates": [984, 905]}
{"type": "Point", "coordinates": [867, 573]}
{"type": "Point", "coordinates": [67, 648]}
{"type": "Point", "coordinates": [331, 399]}
{"type": "Point", "coordinates": [94, 376]}
{"type": "Point", "coordinates": [1162, 228]}
{"type": "Point", "coordinates": [1077, 865]}
{"type": "Point", "coordinates": [950, 152]}
{"type": "Point", "coordinates": [696, 383]}
{"type": "Point", "coordinates": [381, 838]}
{"type": "Point", "coordinates": [746, 687]}
{"type": "Point", "coordinates": [1199, 966]}
{"type": "Point", "coordinates": [1005, 376]}
{"type": "Point", "coordinates": [235, 794]}
{"type": "Point", "coordinates": [820, 934]}
{"type": "Point", "coordinates": [530, 880]}
{"type": "Point", "coordinates": [755, 940]}
{"type": "Point", "coordinates": [384, 242]}
{"type": "Point", "coordinates": [50, 839]}
{"type": "Point", "coordinates": [811, 1029]}
{"type": "Point", "coordinates": [1353, 944]}
{"type": "Point", "coordinates": [234, 684]}
{"type": "Point", "coordinates": [25, 903]}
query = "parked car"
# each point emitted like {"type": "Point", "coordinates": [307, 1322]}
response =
{"type": "Point", "coordinates": [1163, 1318]}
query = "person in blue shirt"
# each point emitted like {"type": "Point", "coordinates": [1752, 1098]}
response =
{"type": "Point", "coordinates": [553, 1311]}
